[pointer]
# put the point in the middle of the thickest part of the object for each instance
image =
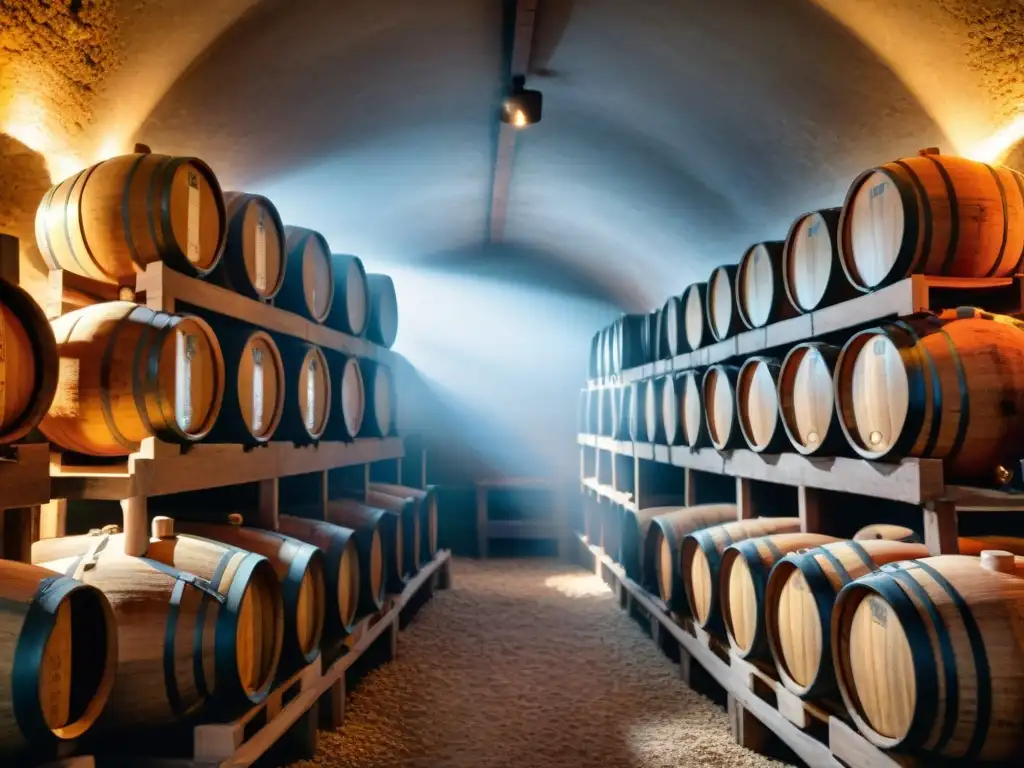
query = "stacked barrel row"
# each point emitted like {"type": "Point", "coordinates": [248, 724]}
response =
{"type": "Point", "coordinates": [924, 652]}
{"type": "Point", "coordinates": [925, 386]}
{"type": "Point", "coordinates": [108, 375]}
{"type": "Point", "coordinates": [931, 214]}
{"type": "Point", "coordinates": [205, 624]}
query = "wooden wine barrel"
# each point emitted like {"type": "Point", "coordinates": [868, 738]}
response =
{"type": "Point", "coordinates": [127, 373]}
{"type": "Point", "coordinates": [637, 414]}
{"type": "Point", "coordinates": [426, 499]}
{"type": "Point", "coordinates": [742, 582]}
{"type": "Point", "coordinates": [253, 401]}
{"type": "Point", "coordinates": [308, 392]}
{"type": "Point", "coordinates": [185, 644]}
{"type": "Point", "coordinates": [622, 397]}
{"type": "Point", "coordinates": [112, 219]}
{"type": "Point", "coordinates": [605, 411]}
{"type": "Point", "coordinates": [380, 409]}
{"type": "Point", "coordinates": [697, 332]}
{"type": "Point", "coordinates": [592, 364]}
{"type": "Point", "coordinates": [760, 293]}
{"type": "Point", "coordinates": [887, 532]}
{"type": "Point", "coordinates": [949, 387]}
{"type": "Point", "coordinates": [59, 657]}
{"type": "Point", "coordinates": [723, 315]}
{"type": "Point", "coordinates": [691, 413]}
{"type": "Point", "coordinates": [663, 547]}
{"type": "Point", "coordinates": [348, 397]}
{"type": "Point", "coordinates": [674, 326]}
{"type": "Point", "coordinates": [701, 562]}
{"type": "Point", "coordinates": [410, 522]}
{"type": "Point", "coordinates": [345, 550]}
{"type": "Point", "coordinates": [302, 572]}
{"type": "Point", "coordinates": [653, 397]}
{"type": "Point", "coordinates": [254, 258]}
{"type": "Point", "coordinates": [929, 656]}
{"type": "Point", "coordinates": [757, 406]}
{"type": "Point", "coordinates": [613, 520]}
{"type": "Point", "coordinates": [308, 287]}
{"type": "Point", "coordinates": [811, 272]}
{"type": "Point", "coordinates": [382, 327]}
{"type": "Point", "coordinates": [650, 336]}
{"type": "Point", "coordinates": [630, 331]}
{"type": "Point", "coordinates": [671, 407]}
{"type": "Point", "coordinates": [798, 606]}
{"type": "Point", "coordinates": [350, 311]}
{"type": "Point", "coordinates": [28, 363]}
{"type": "Point", "coordinates": [806, 402]}
{"type": "Point", "coordinates": [718, 393]}
{"type": "Point", "coordinates": [593, 411]}
{"type": "Point", "coordinates": [934, 215]}
{"type": "Point", "coordinates": [613, 349]}
{"type": "Point", "coordinates": [369, 522]}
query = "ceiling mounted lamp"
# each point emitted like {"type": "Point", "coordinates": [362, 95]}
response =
{"type": "Point", "coordinates": [522, 107]}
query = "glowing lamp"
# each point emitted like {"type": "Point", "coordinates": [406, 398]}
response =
{"type": "Point", "coordinates": [522, 107]}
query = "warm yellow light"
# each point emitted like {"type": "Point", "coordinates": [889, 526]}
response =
{"type": "Point", "coordinates": [28, 121]}
{"type": "Point", "coordinates": [519, 119]}
{"type": "Point", "coordinates": [995, 147]}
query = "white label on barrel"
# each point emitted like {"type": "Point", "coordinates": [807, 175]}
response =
{"type": "Point", "coordinates": [183, 379]}
{"type": "Point", "coordinates": [257, 391]}
{"type": "Point", "coordinates": [193, 217]}
{"type": "Point", "coordinates": [261, 254]}
{"type": "Point", "coordinates": [311, 396]}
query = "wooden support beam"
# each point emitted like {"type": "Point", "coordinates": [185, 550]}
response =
{"type": "Point", "coordinates": [136, 526]}
{"type": "Point", "coordinates": [811, 514]}
{"type": "Point", "coordinates": [268, 496]}
{"type": "Point", "coordinates": [53, 519]}
{"type": "Point", "coordinates": [941, 528]}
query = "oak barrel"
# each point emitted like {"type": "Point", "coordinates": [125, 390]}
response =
{"type": "Point", "coordinates": [127, 373]}
{"type": "Point", "coordinates": [606, 415]}
{"type": "Point", "coordinates": [409, 518]}
{"type": "Point", "coordinates": [593, 416]}
{"type": "Point", "coordinates": [887, 532]}
{"type": "Point", "coordinates": [381, 402]}
{"type": "Point", "coordinates": [308, 287]}
{"type": "Point", "coordinates": [760, 294]}
{"type": "Point", "coordinates": [345, 548]}
{"type": "Point", "coordinates": [28, 363]}
{"type": "Point", "coordinates": [697, 332]}
{"type": "Point", "coordinates": [254, 394]}
{"type": "Point", "coordinates": [592, 361]}
{"type": "Point", "coordinates": [109, 221]}
{"type": "Point", "coordinates": [199, 625]}
{"type": "Point", "coordinates": [655, 427]}
{"type": "Point", "coordinates": [723, 315]}
{"type": "Point", "coordinates": [929, 656]}
{"type": "Point", "coordinates": [652, 329]}
{"type": "Point", "coordinates": [691, 412]}
{"type": "Point", "coordinates": [59, 657]}
{"type": "Point", "coordinates": [701, 561]}
{"type": "Point", "coordinates": [947, 387]}
{"type": "Point", "coordinates": [671, 409]}
{"type": "Point", "coordinates": [372, 523]}
{"type": "Point", "coordinates": [811, 272]}
{"type": "Point", "coordinates": [934, 215]}
{"type": "Point", "coordinates": [798, 606]}
{"type": "Point", "coordinates": [426, 498]}
{"type": "Point", "coordinates": [637, 410]}
{"type": "Point", "coordinates": [966, 545]}
{"type": "Point", "coordinates": [718, 394]}
{"type": "Point", "coordinates": [348, 396]}
{"type": "Point", "coordinates": [806, 401]}
{"type": "Point", "coordinates": [673, 324]}
{"type": "Point", "coordinates": [742, 582]}
{"type": "Point", "coordinates": [663, 548]}
{"type": "Point", "coordinates": [350, 310]}
{"type": "Point", "coordinates": [254, 258]}
{"type": "Point", "coordinates": [302, 572]}
{"type": "Point", "coordinates": [308, 392]}
{"type": "Point", "coordinates": [628, 342]}
{"type": "Point", "coordinates": [382, 327]}
{"type": "Point", "coordinates": [623, 397]}
{"type": "Point", "coordinates": [757, 405]}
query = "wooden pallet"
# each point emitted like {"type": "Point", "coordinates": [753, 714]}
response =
{"type": "Point", "coordinates": [913, 294]}
{"type": "Point", "coordinates": [312, 698]}
{"type": "Point", "coordinates": [759, 714]}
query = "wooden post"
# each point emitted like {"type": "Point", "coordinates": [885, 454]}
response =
{"type": "Point", "coordinates": [10, 260]}
{"type": "Point", "coordinates": [746, 507]}
{"type": "Point", "coordinates": [53, 519]}
{"type": "Point", "coordinates": [332, 706]}
{"type": "Point", "coordinates": [267, 493]}
{"type": "Point", "coordinates": [809, 504]}
{"type": "Point", "coordinates": [136, 526]}
{"type": "Point", "coordinates": [690, 486]}
{"type": "Point", "coordinates": [747, 730]}
{"type": "Point", "coordinates": [941, 528]}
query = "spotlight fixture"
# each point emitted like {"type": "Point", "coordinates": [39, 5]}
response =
{"type": "Point", "coordinates": [522, 107]}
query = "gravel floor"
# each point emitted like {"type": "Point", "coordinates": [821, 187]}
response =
{"type": "Point", "coordinates": [528, 663]}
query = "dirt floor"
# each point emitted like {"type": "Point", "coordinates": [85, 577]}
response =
{"type": "Point", "coordinates": [528, 663]}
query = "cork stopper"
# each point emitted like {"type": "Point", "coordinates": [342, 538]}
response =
{"type": "Point", "coordinates": [998, 560]}
{"type": "Point", "coordinates": [163, 527]}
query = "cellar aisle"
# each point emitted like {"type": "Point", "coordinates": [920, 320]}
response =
{"type": "Point", "coordinates": [528, 663]}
